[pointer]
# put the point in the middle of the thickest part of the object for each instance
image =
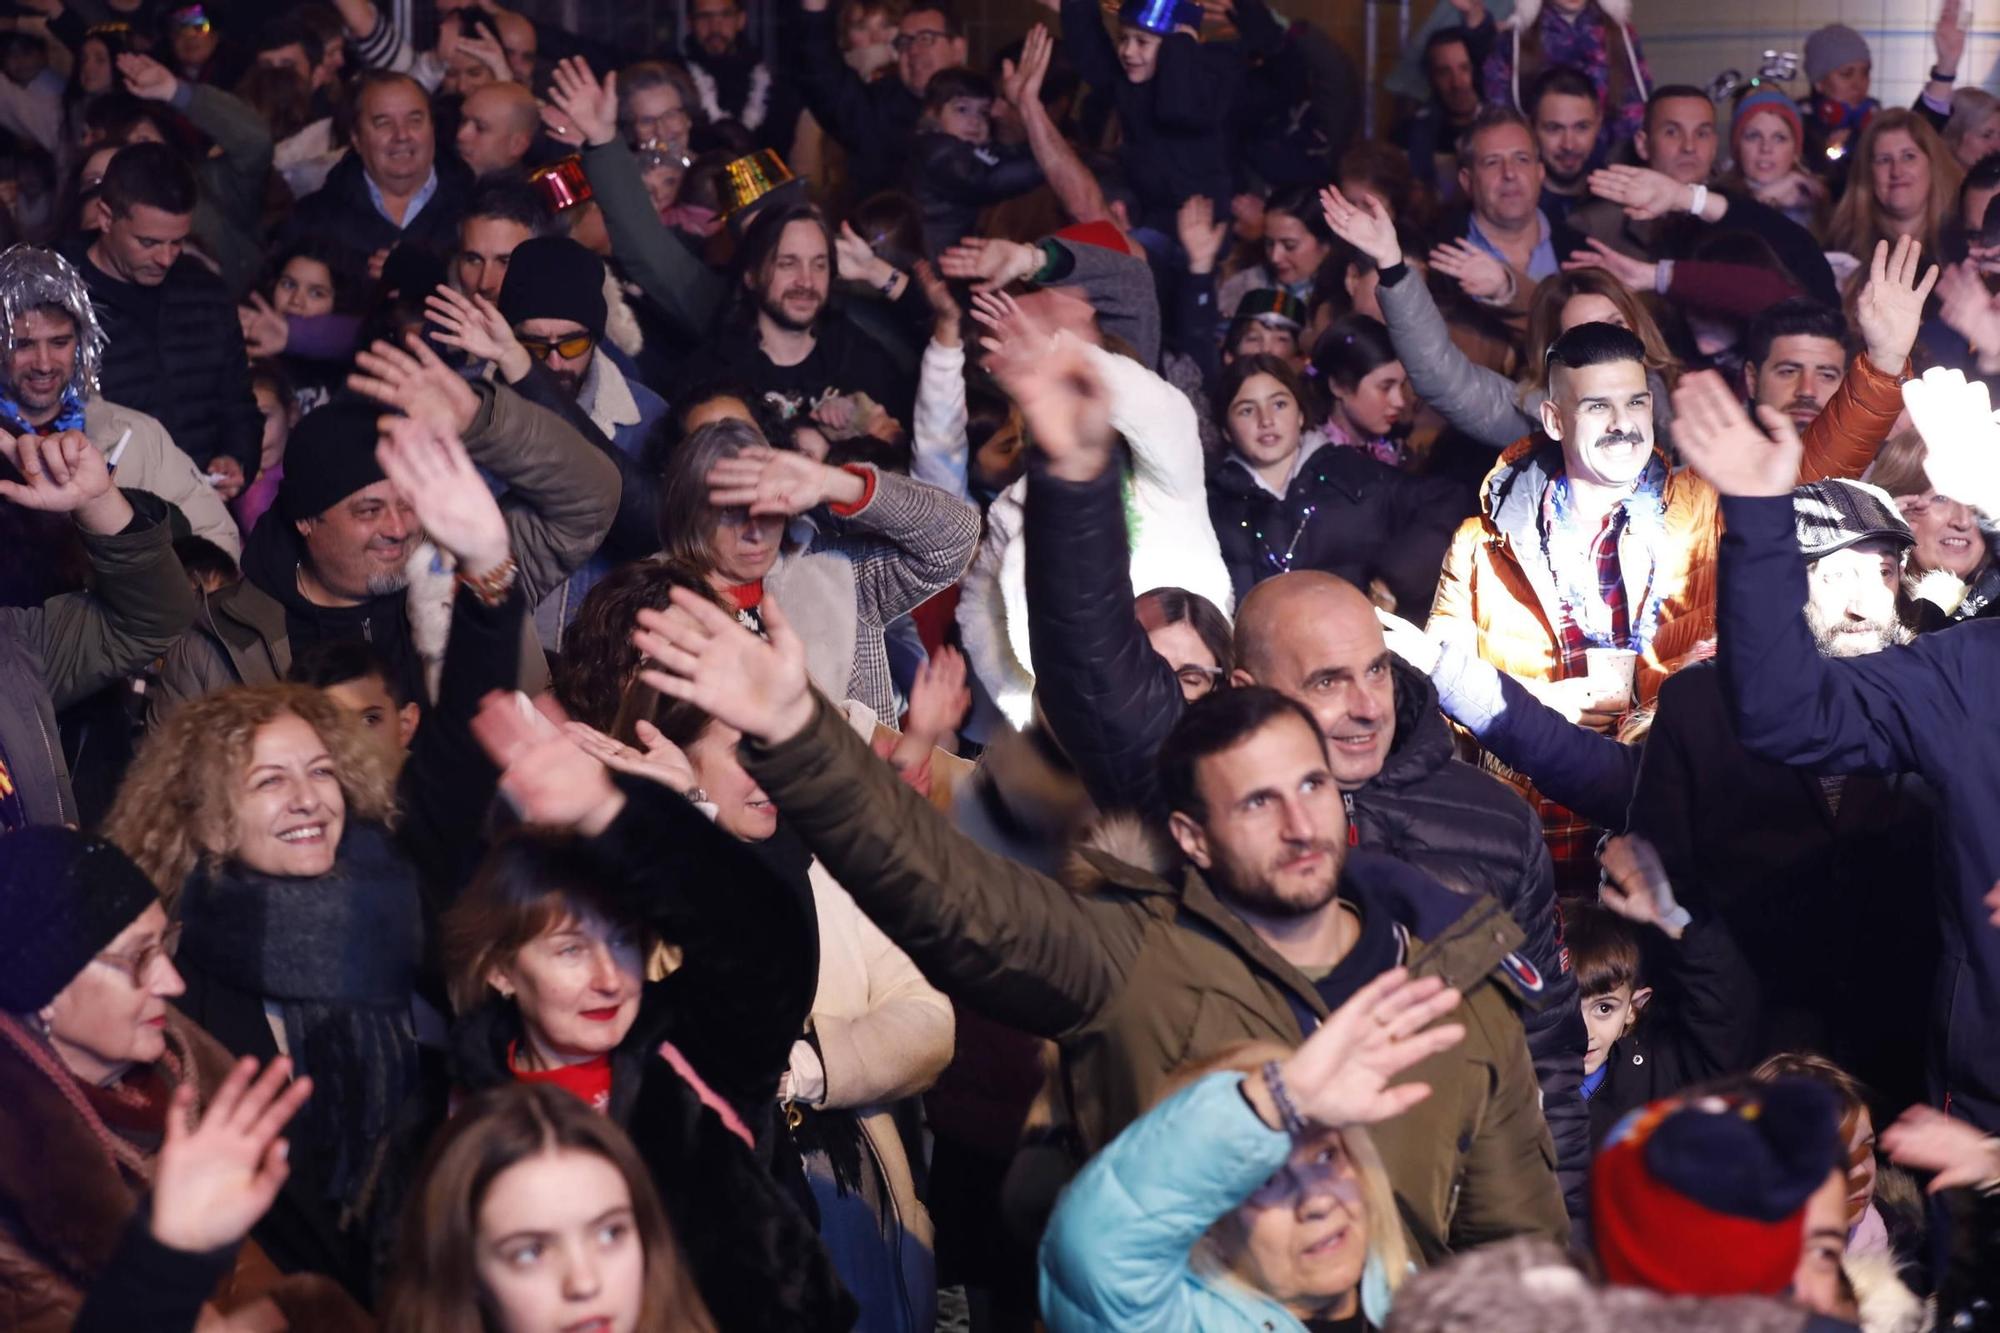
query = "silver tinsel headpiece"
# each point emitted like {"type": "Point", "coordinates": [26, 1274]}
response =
{"type": "Point", "coordinates": [32, 277]}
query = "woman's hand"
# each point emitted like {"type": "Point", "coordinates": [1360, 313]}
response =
{"type": "Point", "coordinates": [451, 500]}
{"type": "Point", "coordinates": [416, 382]}
{"type": "Point", "coordinates": [777, 481]}
{"type": "Point", "coordinates": [1366, 226]}
{"type": "Point", "coordinates": [1636, 274]}
{"type": "Point", "coordinates": [1925, 1139]}
{"type": "Point", "coordinates": [1641, 191]}
{"type": "Point", "coordinates": [705, 656]}
{"type": "Point", "coordinates": [939, 698]}
{"type": "Point", "coordinates": [475, 326]}
{"type": "Point", "coordinates": [655, 758]}
{"type": "Point", "coordinates": [265, 331]}
{"type": "Point", "coordinates": [214, 1179]}
{"type": "Point", "coordinates": [548, 781]}
{"type": "Point", "coordinates": [1340, 1074]}
{"type": "Point", "coordinates": [1483, 277]}
{"type": "Point", "coordinates": [590, 106]}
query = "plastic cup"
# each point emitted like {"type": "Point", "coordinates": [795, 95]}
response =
{"type": "Point", "coordinates": [1613, 674]}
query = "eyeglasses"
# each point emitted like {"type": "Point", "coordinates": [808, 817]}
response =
{"type": "Point", "coordinates": [569, 348]}
{"type": "Point", "coordinates": [1198, 681]}
{"type": "Point", "coordinates": [138, 965]}
{"type": "Point", "coordinates": [928, 38]}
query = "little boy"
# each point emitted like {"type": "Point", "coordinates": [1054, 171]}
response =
{"type": "Point", "coordinates": [1705, 1030]}
{"type": "Point", "coordinates": [956, 169]}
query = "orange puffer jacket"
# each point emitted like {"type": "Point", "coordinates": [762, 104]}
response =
{"type": "Point", "coordinates": [1499, 594]}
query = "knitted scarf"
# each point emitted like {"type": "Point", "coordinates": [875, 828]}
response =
{"type": "Point", "coordinates": [337, 958]}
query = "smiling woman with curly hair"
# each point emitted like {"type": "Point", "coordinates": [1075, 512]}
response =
{"type": "Point", "coordinates": [261, 813]}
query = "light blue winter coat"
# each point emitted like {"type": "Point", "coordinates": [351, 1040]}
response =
{"type": "Point", "coordinates": [1115, 1255]}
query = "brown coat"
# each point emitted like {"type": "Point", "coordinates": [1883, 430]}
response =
{"type": "Point", "coordinates": [1145, 972]}
{"type": "Point", "coordinates": [1505, 605]}
{"type": "Point", "coordinates": [65, 1198]}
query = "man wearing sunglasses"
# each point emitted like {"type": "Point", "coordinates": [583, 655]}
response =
{"type": "Point", "coordinates": [876, 121]}
{"type": "Point", "coordinates": [554, 306]}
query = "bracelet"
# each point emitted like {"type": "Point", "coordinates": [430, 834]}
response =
{"type": "Point", "coordinates": [1697, 198]}
{"type": "Point", "coordinates": [889, 283]}
{"type": "Point", "coordinates": [1281, 1096]}
{"type": "Point", "coordinates": [1937, 77]}
{"type": "Point", "coordinates": [493, 586]}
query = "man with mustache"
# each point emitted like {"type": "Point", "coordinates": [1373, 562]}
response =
{"type": "Point", "coordinates": [1794, 356]}
{"type": "Point", "coordinates": [333, 560]}
{"type": "Point", "coordinates": [806, 359]}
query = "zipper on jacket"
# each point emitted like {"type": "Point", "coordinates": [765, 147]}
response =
{"type": "Point", "coordinates": [1353, 833]}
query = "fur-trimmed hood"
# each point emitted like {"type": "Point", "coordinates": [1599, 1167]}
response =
{"type": "Point", "coordinates": [1122, 837]}
{"type": "Point", "coordinates": [1527, 11]}
{"type": "Point", "coordinates": [1887, 1305]}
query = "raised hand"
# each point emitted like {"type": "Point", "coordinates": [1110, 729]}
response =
{"type": "Point", "coordinates": [1725, 448]}
{"type": "Point", "coordinates": [1892, 304]}
{"type": "Point", "coordinates": [990, 263]}
{"type": "Point", "coordinates": [147, 78]}
{"type": "Point", "coordinates": [704, 655]}
{"type": "Point", "coordinates": [654, 758]}
{"type": "Point", "coordinates": [1050, 376]}
{"type": "Point", "coordinates": [1961, 437]}
{"type": "Point", "coordinates": [1637, 274]}
{"type": "Point", "coordinates": [1408, 642]}
{"type": "Point", "coordinates": [475, 326]}
{"type": "Point", "coordinates": [1926, 1139]}
{"type": "Point", "coordinates": [214, 1179]}
{"type": "Point", "coordinates": [778, 481]}
{"type": "Point", "coordinates": [592, 107]}
{"type": "Point", "coordinates": [488, 51]}
{"type": "Point", "coordinates": [1950, 38]}
{"type": "Point", "coordinates": [1201, 235]}
{"type": "Point", "coordinates": [1635, 884]}
{"type": "Point", "coordinates": [857, 260]}
{"type": "Point", "coordinates": [1642, 192]}
{"type": "Point", "coordinates": [64, 474]}
{"type": "Point", "coordinates": [946, 316]}
{"type": "Point", "coordinates": [1340, 1074]}
{"type": "Point", "coordinates": [1022, 84]}
{"type": "Point", "coordinates": [415, 381]}
{"type": "Point", "coordinates": [1366, 226]}
{"type": "Point", "coordinates": [939, 697]}
{"type": "Point", "coordinates": [1483, 277]}
{"type": "Point", "coordinates": [225, 476]}
{"type": "Point", "coordinates": [265, 331]}
{"type": "Point", "coordinates": [548, 781]}
{"type": "Point", "coordinates": [1970, 311]}
{"type": "Point", "coordinates": [451, 500]}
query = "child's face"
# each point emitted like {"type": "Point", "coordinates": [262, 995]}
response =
{"type": "Point", "coordinates": [969, 119]}
{"type": "Point", "coordinates": [1138, 53]}
{"type": "Point", "coordinates": [1608, 1017]}
{"type": "Point", "coordinates": [1847, 85]}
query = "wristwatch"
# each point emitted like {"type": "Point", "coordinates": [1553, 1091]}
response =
{"type": "Point", "coordinates": [1938, 77]}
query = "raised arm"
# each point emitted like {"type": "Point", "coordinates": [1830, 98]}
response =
{"type": "Point", "coordinates": [1843, 439]}
{"type": "Point", "coordinates": [1074, 184]}
{"type": "Point", "coordinates": [1479, 402]}
{"type": "Point", "coordinates": [1017, 946]}
{"type": "Point", "coordinates": [1088, 45]}
{"type": "Point", "coordinates": [140, 600]}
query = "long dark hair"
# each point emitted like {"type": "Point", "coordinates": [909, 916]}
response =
{"type": "Point", "coordinates": [1244, 368]}
{"type": "Point", "coordinates": [437, 1288]}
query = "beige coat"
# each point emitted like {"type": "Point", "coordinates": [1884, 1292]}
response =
{"type": "Point", "coordinates": [153, 463]}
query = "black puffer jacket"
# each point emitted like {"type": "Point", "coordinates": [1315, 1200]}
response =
{"type": "Point", "coordinates": [176, 352]}
{"type": "Point", "coordinates": [1346, 513]}
{"type": "Point", "coordinates": [1111, 700]}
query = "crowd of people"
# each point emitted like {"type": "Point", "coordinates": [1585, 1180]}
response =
{"type": "Point", "coordinates": [839, 686]}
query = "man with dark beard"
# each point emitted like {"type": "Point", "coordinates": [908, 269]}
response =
{"type": "Point", "coordinates": [808, 361]}
{"type": "Point", "coordinates": [1264, 920]}
{"type": "Point", "coordinates": [1564, 111]}
{"type": "Point", "coordinates": [734, 82]}
{"type": "Point", "coordinates": [1795, 355]}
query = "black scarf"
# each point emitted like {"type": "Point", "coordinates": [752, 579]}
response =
{"type": "Point", "coordinates": [337, 957]}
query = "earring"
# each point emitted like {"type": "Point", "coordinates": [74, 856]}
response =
{"type": "Point", "coordinates": [45, 1020]}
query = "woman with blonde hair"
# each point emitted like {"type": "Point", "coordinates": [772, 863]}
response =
{"type": "Point", "coordinates": [1251, 1198]}
{"type": "Point", "coordinates": [261, 813]}
{"type": "Point", "coordinates": [1973, 131]}
{"type": "Point", "coordinates": [1901, 181]}
{"type": "Point", "coordinates": [535, 1213]}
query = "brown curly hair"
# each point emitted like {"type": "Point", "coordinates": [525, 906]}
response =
{"type": "Point", "coordinates": [177, 805]}
{"type": "Point", "coordinates": [594, 675]}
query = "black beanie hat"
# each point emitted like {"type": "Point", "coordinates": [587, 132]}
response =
{"type": "Point", "coordinates": [553, 277]}
{"type": "Point", "coordinates": [64, 896]}
{"type": "Point", "coordinates": [330, 456]}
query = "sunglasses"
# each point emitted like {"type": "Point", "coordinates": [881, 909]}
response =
{"type": "Point", "coordinates": [569, 348]}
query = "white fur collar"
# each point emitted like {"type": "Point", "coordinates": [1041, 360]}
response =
{"type": "Point", "coordinates": [756, 102]}
{"type": "Point", "coordinates": [606, 398]}
{"type": "Point", "coordinates": [1527, 11]}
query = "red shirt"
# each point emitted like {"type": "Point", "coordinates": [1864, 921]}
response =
{"type": "Point", "coordinates": [589, 1082]}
